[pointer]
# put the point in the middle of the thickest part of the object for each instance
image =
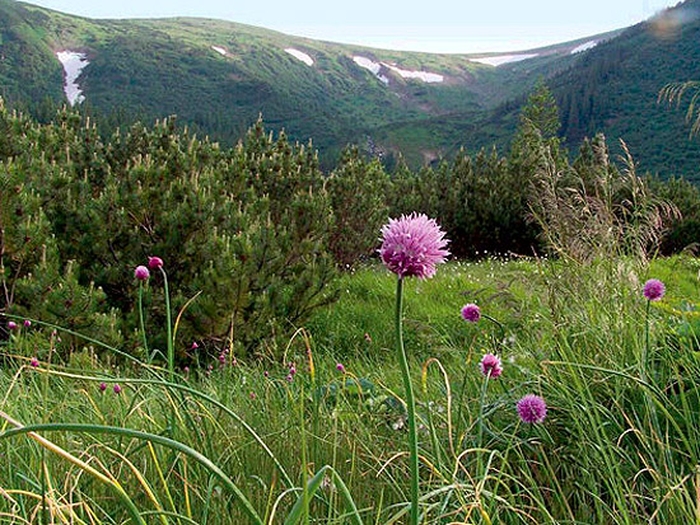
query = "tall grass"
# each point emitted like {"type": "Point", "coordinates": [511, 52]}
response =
{"type": "Point", "coordinates": [255, 442]}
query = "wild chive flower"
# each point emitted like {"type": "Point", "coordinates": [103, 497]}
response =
{"type": "Point", "coordinates": [12, 325]}
{"type": "Point", "coordinates": [412, 246]}
{"type": "Point", "coordinates": [490, 365]}
{"type": "Point", "coordinates": [532, 409]}
{"type": "Point", "coordinates": [155, 262]}
{"type": "Point", "coordinates": [34, 362]}
{"type": "Point", "coordinates": [27, 323]}
{"type": "Point", "coordinates": [117, 389]}
{"type": "Point", "coordinates": [654, 289]}
{"type": "Point", "coordinates": [141, 273]}
{"type": "Point", "coordinates": [103, 387]}
{"type": "Point", "coordinates": [471, 313]}
{"type": "Point", "coordinates": [340, 368]}
{"type": "Point", "coordinates": [194, 345]}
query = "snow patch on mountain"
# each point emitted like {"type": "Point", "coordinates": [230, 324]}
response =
{"type": "Point", "coordinates": [502, 59]}
{"type": "Point", "coordinates": [420, 75]}
{"type": "Point", "coordinates": [219, 50]}
{"type": "Point", "coordinates": [374, 67]}
{"type": "Point", "coordinates": [584, 47]}
{"type": "Point", "coordinates": [306, 59]}
{"type": "Point", "coordinates": [73, 63]}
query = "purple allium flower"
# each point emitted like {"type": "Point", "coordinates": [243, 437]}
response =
{"type": "Point", "coordinates": [12, 325]}
{"type": "Point", "coordinates": [532, 409]}
{"type": "Point", "coordinates": [27, 323]}
{"type": "Point", "coordinates": [266, 373]}
{"type": "Point", "coordinates": [289, 378]}
{"type": "Point", "coordinates": [252, 395]}
{"type": "Point", "coordinates": [155, 262]}
{"type": "Point", "coordinates": [490, 365]}
{"type": "Point", "coordinates": [34, 362]}
{"type": "Point", "coordinates": [412, 246]}
{"type": "Point", "coordinates": [471, 313]}
{"type": "Point", "coordinates": [194, 345]}
{"type": "Point", "coordinates": [292, 370]}
{"type": "Point", "coordinates": [340, 368]}
{"type": "Point", "coordinates": [654, 289]}
{"type": "Point", "coordinates": [103, 387]}
{"type": "Point", "coordinates": [117, 389]}
{"type": "Point", "coordinates": [142, 273]}
{"type": "Point", "coordinates": [222, 359]}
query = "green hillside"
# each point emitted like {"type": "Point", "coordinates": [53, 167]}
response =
{"type": "Point", "coordinates": [218, 77]}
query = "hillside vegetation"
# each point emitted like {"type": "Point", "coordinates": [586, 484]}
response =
{"type": "Point", "coordinates": [219, 77]}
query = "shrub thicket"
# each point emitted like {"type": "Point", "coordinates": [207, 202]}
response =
{"type": "Point", "coordinates": [252, 236]}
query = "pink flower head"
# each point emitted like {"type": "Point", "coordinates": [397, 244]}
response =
{"type": "Point", "coordinates": [103, 386]}
{"type": "Point", "coordinates": [490, 365]}
{"type": "Point", "coordinates": [289, 378]}
{"type": "Point", "coordinates": [532, 409]}
{"type": "Point", "coordinates": [155, 262]}
{"type": "Point", "coordinates": [412, 246]}
{"type": "Point", "coordinates": [142, 273]}
{"type": "Point", "coordinates": [27, 323]}
{"type": "Point", "coordinates": [34, 362]}
{"type": "Point", "coordinates": [117, 389]}
{"type": "Point", "coordinates": [12, 325]}
{"type": "Point", "coordinates": [654, 289]}
{"type": "Point", "coordinates": [194, 345]}
{"type": "Point", "coordinates": [340, 368]}
{"type": "Point", "coordinates": [471, 313]}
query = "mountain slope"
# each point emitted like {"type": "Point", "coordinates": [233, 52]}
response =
{"type": "Point", "coordinates": [219, 77]}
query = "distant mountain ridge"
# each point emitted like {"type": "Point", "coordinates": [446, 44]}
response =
{"type": "Point", "coordinates": [219, 77]}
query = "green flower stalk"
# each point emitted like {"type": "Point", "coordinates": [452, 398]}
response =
{"type": "Point", "coordinates": [412, 246]}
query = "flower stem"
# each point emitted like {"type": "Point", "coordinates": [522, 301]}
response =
{"type": "Point", "coordinates": [143, 324]}
{"type": "Point", "coordinates": [645, 349]}
{"type": "Point", "coordinates": [410, 405]}
{"type": "Point", "coordinates": [168, 321]}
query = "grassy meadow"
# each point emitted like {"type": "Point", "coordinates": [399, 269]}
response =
{"type": "Point", "coordinates": [321, 436]}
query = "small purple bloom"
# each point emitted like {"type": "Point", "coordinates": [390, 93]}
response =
{"type": "Point", "coordinates": [117, 389]}
{"type": "Point", "coordinates": [142, 273]}
{"type": "Point", "coordinates": [194, 345]}
{"type": "Point", "coordinates": [155, 262]}
{"type": "Point", "coordinates": [654, 289]}
{"type": "Point", "coordinates": [27, 323]}
{"type": "Point", "coordinates": [292, 371]}
{"type": "Point", "coordinates": [34, 362]}
{"type": "Point", "coordinates": [490, 366]}
{"type": "Point", "coordinates": [412, 246]}
{"type": "Point", "coordinates": [266, 373]}
{"type": "Point", "coordinates": [289, 378]}
{"type": "Point", "coordinates": [222, 359]}
{"type": "Point", "coordinates": [532, 409]}
{"type": "Point", "coordinates": [340, 368]}
{"type": "Point", "coordinates": [103, 387]}
{"type": "Point", "coordinates": [12, 325]}
{"type": "Point", "coordinates": [471, 313]}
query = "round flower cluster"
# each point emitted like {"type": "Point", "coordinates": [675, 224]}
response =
{"type": "Point", "coordinates": [412, 246]}
{"type": "Point", "coordinates": [532, 409]}
{"type": "Point", "coordinates": [471, 313]}
{"type": "Point", "coordinates": [654, 290]}
{"type": "Point", "coordinates": [490, 366]}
